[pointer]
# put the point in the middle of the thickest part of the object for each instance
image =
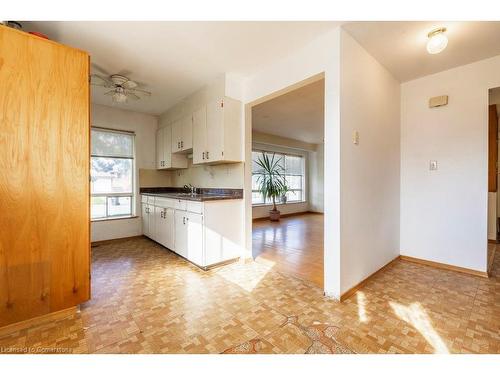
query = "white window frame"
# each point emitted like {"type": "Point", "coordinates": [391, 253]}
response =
{"type": "Point", "coordinates": [130, 195]}
{"type": "Point", "coordinates": [304, 175]}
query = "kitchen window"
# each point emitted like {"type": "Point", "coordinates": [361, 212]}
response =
{"type": "Point", "coordinates": [112, 173]}
{"type": "Point", "coordinates": [293, 167]}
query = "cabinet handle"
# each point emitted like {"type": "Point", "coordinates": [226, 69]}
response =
{"type": "Point", "coordinates": [182, 144]}
{"type": "Point", "coordinates": [207, 156]}
{"type": "Point", "coordinates": [203, 155]}
{"type": "Point", "coordinates": [184, 220]}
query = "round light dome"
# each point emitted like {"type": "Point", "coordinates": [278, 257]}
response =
{"type": "Point", "coordinates": [437, 41]}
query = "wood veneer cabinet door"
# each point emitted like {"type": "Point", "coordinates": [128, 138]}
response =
{"type": "Point", "coordinates": [44, 176]}
{"type": "Point", "coordinates": [492, 147]}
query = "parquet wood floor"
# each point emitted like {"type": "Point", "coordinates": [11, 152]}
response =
{"type": "Point", "coordinates": [294, 245]}
{"type": "Point", "coordinates": [146, 299]}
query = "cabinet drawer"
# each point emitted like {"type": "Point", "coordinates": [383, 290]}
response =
{"type": "Point", "coordinates": [147, 199]}
{"type": "Point", "coordinates": [180, 204]}
{"type": "Point", "coordinates": [196, 207]}
{"type": "Point", "coordinates": [165, 202]}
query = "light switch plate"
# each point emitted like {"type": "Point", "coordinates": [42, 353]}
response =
{"type": "Point", "coordinates": [355, 137]}
{"type": "Point", "coordinates": [433, 165]}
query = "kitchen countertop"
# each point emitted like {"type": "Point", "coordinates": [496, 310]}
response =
{"type": "Point", "coordinates": [205, 194]}
{"type": "Point", "coordinates": [194, 197]}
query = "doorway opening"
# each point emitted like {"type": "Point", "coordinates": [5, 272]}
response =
{"type": "Point", "coordinates": [288, 146]}
{"type": "Point", "coordinates": [493, 175]}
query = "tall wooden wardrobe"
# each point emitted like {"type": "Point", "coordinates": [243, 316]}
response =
{"type": "Point", "coordinates": [44, 176]}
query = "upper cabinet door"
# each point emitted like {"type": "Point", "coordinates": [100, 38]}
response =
{"type": "Point", "coordinates": [215, 131]}
{"type": "Point", "coordinates": [176, 136]}
{"type": "Point", "coordinates": [160, 159]}
{"type": "Point", "coordinates": [187, 133]}
{"type": "Point", "coordinates": [167, 146]}
{"type": "Point", "coordinates": [199, 135]}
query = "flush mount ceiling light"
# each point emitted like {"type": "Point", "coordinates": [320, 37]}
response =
{"type": "Point", "coordinates": [437, 40]}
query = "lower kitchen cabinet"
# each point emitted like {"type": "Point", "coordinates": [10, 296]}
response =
{"type": "Point", "coordinates": [164, 226]}
{"type": "Point", "coordinates": [147, 219]}
{"type": "Point", "coordinates": [205, 233]}
{"type": "Point", "coordinates": [181, 234]}
{"type": "Point", "coordinates": [194, 224]}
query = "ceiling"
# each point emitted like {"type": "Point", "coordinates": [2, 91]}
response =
{"type": "Point", "coordinates": [400, 46]}
{"type": "Point", "coordinates": [298, 114]}
{"type": "Point", "coordinates": [174, 59]}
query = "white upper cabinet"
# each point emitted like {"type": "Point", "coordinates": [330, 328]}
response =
{"type": "Point", "coordinates": [164, 157]}
{"type": "Point", "coordinates": [199, 135]}
{"type": "Point", "coordinates": [217, 132]}
{"type": "Point", "coordinates": [182, 135]}
{"type": "Point", "coordinates": [160, 152]}
{"type": "Point", "coordinates": [176, 136]}
{"type": "Point", "coordinates": [187, 133]}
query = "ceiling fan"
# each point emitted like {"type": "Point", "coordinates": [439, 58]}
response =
{"type": "Point", "coordinates": [122, 88]}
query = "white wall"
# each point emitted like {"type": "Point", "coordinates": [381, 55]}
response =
{"type": "Point", "coordinates": [144, 126]}
{"type": "Point", "coordinates": [444, 212]}
{"type": "Point", "coordinates": [209, 176]}
{"type": "Point", "coordinates": [316, 179]}
{"type": "Point", "coordinates": [320, 56]}
{"type": "Point", "coordinates": [370, 171]}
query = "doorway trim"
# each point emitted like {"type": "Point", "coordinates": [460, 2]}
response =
{"type": "Point", "coordinates": [331, 279]}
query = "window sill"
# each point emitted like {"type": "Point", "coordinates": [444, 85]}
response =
{"type": "Point", "coordinates": [113, 218]}
{"type": "Point", "coordinates": [278, 204]}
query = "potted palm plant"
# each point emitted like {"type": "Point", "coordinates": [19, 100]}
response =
{"type": "Point", "coordinates": [271, 181]}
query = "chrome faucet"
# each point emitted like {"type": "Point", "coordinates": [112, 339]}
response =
{"type": "Point", "coordinates": [190, 188]}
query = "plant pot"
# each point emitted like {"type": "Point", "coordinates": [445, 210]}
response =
{"type": "Point", "coordinates": [274, 215]}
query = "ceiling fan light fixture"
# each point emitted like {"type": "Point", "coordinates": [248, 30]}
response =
{"type": "Point", "coordinates": [119, 97]}
{"type": "Point", "coordinates": [437, 41]}
{"type": "Point", "coordinates": [122, 88]}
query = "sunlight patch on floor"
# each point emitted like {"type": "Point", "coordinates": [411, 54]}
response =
{"type": "Point", "coordinates": [245, 276]}
{"type": "Point", "coordinates": [415, 315]}
{"type": "Point", "coordinates": [361, 306]}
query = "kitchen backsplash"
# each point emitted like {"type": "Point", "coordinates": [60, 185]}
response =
{"type": "Point", "coordinates": [210, 176]}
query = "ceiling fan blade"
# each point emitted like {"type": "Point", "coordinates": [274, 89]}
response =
{"type": "Point", "coordinates": [98, 80]}
{"type": "Point", "coordinates": [97, 68]}
{"type": "Point", "coordinates": [110, 92]}
{"type": "Point", "coordinates": [131, 95]}
{"type": "Point", "coordinates": [147, 93]}
{"type": "Point", "coordinates": [129, 84]}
